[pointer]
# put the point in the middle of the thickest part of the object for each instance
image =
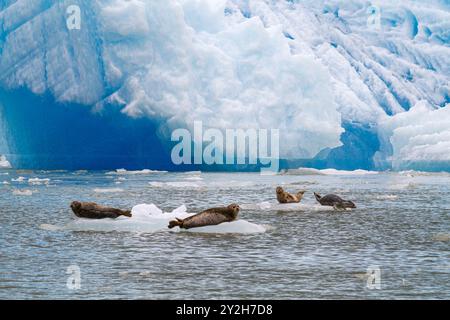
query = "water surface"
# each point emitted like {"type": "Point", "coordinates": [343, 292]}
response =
{"type": "Point", "coordinates": [401, 226]}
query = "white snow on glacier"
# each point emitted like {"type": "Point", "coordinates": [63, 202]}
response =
{"type": "Point", "coordinates": [309, 68]}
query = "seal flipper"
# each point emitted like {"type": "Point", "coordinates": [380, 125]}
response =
{"type": "Point", "coordinates": [127, 213]}
{"type": "Point", "coordinates": [300, 194]}
{"type": "Point", "coordinates": [339, 207]}
{"type": "Point", "coordinates": [176, 223]}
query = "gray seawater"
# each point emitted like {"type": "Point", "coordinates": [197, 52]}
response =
{"type": "Point", "coordinates": [401, 226]}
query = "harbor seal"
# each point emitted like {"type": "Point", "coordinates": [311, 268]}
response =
{"type": "Point", "coordinates": [286, 197]}
{"type": "Point", "coordinates": [91, 210]}
{"type": "Point", "coordinates": [210, 217]}
{"type": "Point", "coordinates": [334, 201]}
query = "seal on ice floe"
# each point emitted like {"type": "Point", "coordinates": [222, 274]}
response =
{"type": "Point", "coordinates": [91, 210]}
{"type": "Point", "coordinates": [286, 197]}
{"type": "Point", "coordinates": [334, 201]}
{"type": "Point", "coordinates": [210, 217]}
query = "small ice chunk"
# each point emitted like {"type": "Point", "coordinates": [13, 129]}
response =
{"type": "Point", "coordinates": [108, 190]}
{"type": "Point", "coordinates": [22, 192]}
{"type": "Point", "coordinates": [37, 181]}
{"type": "Point", "coordinates": [4, 163]}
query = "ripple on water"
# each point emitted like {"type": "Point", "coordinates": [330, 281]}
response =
{"type": "Point", "coordinates": [302, 254]}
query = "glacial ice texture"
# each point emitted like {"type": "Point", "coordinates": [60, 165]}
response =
{"type": "Point", "coordinates": [326, 73]}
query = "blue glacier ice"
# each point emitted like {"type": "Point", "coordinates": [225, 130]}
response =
{"type": "Point", "coordinates": [350, 84]}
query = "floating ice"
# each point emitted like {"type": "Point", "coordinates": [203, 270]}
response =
{"type": "Point", "coordinates": [149, 218]}
{"type": "Point", "coordinates": [126, 172]}
{"type": "Point", "coordinates": [331, 172]}
{"type": "Point", "coordinates": [50, 227]}
{"type": "Point", "coordinates": [23, 192]}
{"type": "Point", "coordinates": [413, 173]}
{"type": "Point", "coordinates": [418, 137]}
{"type": "Point", "coordinates": [387, 197]}
{"type": "Point", "coordinates": [176, 184]}
{"type": "Point", "coordinates": [38, 181]}
{"type": "Point", "coordinates": [309, 68]}
{"type": "Point", "coordinates": [108, 190]}
{"type": "Point", "coordinates": [4, 163]}
{"type": "Point", "coordinates": [200, 184]}
{"type": "Point", "coordinates": [443, 237]}
{"type": "Point", "coordinates": [194, 178]}
{"type": "Point", "coordinates": [287, 207]}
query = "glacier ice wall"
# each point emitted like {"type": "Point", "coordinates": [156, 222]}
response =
{"type": "Point", "coordinates": [418, 138]}
{"type": "Point", "coordinates": [320, 71]}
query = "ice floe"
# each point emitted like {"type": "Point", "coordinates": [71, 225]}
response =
{"type": "Point", "coordinates": [148, 218]}
{"type": "Point", "coordinates": [137, 172]}
{"type": "Point", "coordinates": [327, 172]}
{"type": "Point", "coordinates": [4, 163]}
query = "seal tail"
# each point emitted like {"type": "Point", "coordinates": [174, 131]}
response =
{"type": "Point", "coordinates": [175, 223]}
{"type": "Point", "coordinates": [127, 213]}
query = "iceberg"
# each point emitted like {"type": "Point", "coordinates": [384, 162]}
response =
{"type": "Point", "coordinates": [418, 139]}
{"type": "Point", "coordinates": [4, 163]}
{"type": "Point", "coordinates": [335, 77]}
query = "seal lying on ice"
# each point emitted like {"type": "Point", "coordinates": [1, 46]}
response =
{"type": "Point", "coordinates": [91, 210]}
{"type": "Point", "coordinates": [335, 201]}
{"type": "Point", "coordinates": [286, 197]}
{"type": "Point", "coordinates": [210, 217]}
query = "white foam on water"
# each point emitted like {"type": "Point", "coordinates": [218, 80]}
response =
{"type": "Point", "coordinates": [19, 179]}
{"type": "Point", "coordinates": [5, 183]}
{"type": "Point", "coordinates": [150, 218]}
{"type": "Point", "coordinates": [108, 190]}
{"type": "Point", "coordinates": [126, 172]}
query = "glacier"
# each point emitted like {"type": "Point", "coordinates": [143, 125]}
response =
{"type": "Point", "coordinates": [350, 84]}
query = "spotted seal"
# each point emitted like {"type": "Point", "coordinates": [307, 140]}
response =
{"type": "Point", "coordinates": [334, 201]}
{"type": "Point", "coordinates": [286, 197]}
{"type": "Point", "coordinates": [210, 217]}
{"type": "Point", "coordinates": [91, 210]}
